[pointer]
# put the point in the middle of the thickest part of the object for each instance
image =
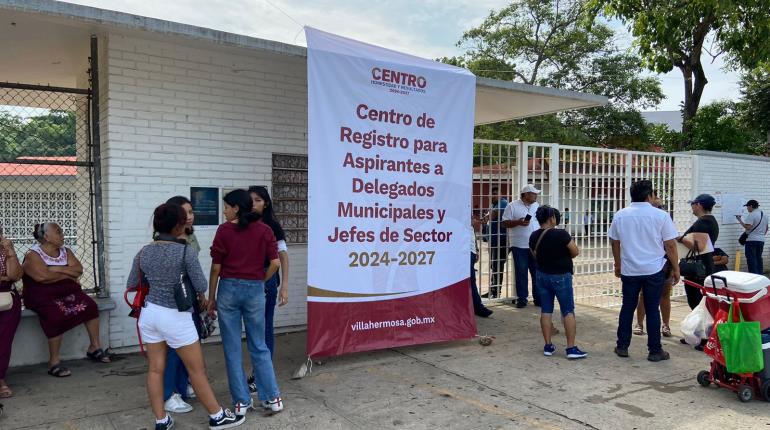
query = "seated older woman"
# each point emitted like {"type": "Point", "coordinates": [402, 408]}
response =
{"type": "Point", "coordinates": [51, 289]}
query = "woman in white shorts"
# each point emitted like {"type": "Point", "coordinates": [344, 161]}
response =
{"type": "Point", "coordinates": [163, 263]}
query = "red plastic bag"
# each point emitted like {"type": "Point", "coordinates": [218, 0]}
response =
{"type": "Point", "coordinates": [713, 348]}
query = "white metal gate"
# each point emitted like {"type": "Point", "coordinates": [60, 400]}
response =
{"type": "Point", "coordinates": [589, 185]}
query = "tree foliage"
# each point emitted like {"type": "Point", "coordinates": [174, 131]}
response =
{"type": "Point", "coordinates": [676, 33]}
{"type": "Point", "coordinates": [718, 126]}
{"type": "Point", "coordinates": [50, 134]}
{"type": "Point", "coordinates": [555, 43]}
{"type": "Point", "coordinates": [755, 88]}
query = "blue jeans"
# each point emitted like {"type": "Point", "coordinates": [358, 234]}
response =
{"type": "Point", "coordinates": [556, 286]}
{"type": "Point", "coordinates": [271, 296]}
{"type": "Point", "coordinates": [651, 287]}
{"type": "Point", "coordinates": [754, 257]}
{"type": "Point", "coordinates": [242, 301]}
{"type": "Point", "coordinates": [175, 377]}
{"type": "Point", "coordinates": [523, 261]}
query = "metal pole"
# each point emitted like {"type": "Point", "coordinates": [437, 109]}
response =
{"type": "Point", "coordinates": [102, 287]}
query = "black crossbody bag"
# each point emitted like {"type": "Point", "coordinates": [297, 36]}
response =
{"type": "Point", "coordinates": [745, 235]}
{"type": "Point", "coordinates": [182, 294]}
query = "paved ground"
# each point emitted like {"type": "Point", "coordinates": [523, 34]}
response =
{"type": "Point", "coordinates": [457, 385]}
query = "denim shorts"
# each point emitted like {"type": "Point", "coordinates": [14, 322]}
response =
{"type": "Point", "coordinates": [558, 287]}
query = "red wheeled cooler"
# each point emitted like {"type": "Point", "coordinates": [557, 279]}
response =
{"type": "Point", "coordinates": [751, 291]}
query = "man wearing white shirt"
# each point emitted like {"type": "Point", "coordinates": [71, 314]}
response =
{"type": "Point", "coordinates": [517, 218]}
{"type": "Point", "coordinates": [642, 238]}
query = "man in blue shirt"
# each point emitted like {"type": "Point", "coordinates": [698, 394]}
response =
{"type": "Point", "coordinates": [498, 244]}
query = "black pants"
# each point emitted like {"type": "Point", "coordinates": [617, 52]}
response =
{"type": "Point", "coordinates": [498, 255]}
{"type": "Point", "coordinates": [477, 305]}
{"type": "Point", "coordinates": [694, 295]}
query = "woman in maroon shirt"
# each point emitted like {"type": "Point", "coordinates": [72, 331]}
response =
{"type": "Point", "coordinates": [240, 242]}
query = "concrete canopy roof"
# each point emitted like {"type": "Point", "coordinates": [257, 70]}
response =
{"type": "Point", "coordinates": [48, 43]}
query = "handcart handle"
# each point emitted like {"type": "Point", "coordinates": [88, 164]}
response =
{"type": "Point", "coordinates": [759, 294]}
{"type": "Point", "coordinates": [714, 284]}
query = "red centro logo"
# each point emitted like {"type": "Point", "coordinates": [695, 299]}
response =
{"type": "Point", "coordinates": [396, 77]}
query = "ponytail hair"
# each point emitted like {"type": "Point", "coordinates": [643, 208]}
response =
{"type": "Point", "coordinates": [242, 200]}
{"type": "Point", "coordinates": [39, 232]}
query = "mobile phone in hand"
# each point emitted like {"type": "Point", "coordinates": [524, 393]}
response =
{"type": "Point", "coordinates": [528, 217]}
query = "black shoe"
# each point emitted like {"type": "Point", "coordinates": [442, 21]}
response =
{"type": "Point", "coordinates": [658, 356]}
{"type": "Point", "coordinates": [521, 305]}
{"type": "Point", "coordinates": [537, 304]}
{"type": "Point", "coordinates": [485, 296]}
{"type": "Point", "coordinates": [699, 347]}
{"type": "Point", "coordinates": [226, 421]}
{"type": "Point", "coordinates": [683, 342]}
{"type": "Point", "coordinates": [621, 352]}
{"type": "Point", "coordinates": [484, 312]}
{"type": "Point", "coordinates": [168, 425]}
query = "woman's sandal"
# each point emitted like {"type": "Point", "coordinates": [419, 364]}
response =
{"type": "Point", "coordinates": [5, 391]}
{"type": "Point", "coordinates": [99, 356]}
{"type": "Point", "coordinates": [665, 330]}
{"type": "Point", "coordinates": [59, 371]}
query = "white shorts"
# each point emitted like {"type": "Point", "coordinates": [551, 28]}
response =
{"type": "Point", "coordinates": [161, 324]}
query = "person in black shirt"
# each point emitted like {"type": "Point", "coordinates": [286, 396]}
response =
{"type": "Point", "coordinates": [706, 223]}
{"type": "Point", "coordinates": [721, 260]}
{"type": "Point", "coordinates": [554, 250]}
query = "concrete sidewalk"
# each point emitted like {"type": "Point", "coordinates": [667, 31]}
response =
{"type": "Point", "coordinates": [455, 385]}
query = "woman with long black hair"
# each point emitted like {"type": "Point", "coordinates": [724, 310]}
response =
{"type": "Point", "coordinates": [237, 294]}
{"type": "Point", "coordinates": [263, 205]}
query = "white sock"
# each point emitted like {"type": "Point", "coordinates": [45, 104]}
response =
{"type": "Point", "coordinates": [217, 415]}
{"type": "Point", "coordinates": [164, 420]}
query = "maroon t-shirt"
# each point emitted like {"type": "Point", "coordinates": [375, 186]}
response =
{"type": "Point", "coordinates": [242, 252]}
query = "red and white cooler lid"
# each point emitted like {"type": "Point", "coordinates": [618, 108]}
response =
{"type": "Point", "coordinates": [740, 282]}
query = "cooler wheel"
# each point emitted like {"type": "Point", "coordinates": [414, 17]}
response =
{"type": "Point", "coordinates": [745, 393]}
{"type": "Point", "coordinates": [704, 378]}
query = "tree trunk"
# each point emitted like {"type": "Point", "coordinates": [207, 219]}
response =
{"type": "Point", "coordinates": [694, 83]}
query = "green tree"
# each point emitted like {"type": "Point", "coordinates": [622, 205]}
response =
{"type": "Point", "coordinates": [50, 134]}
{"type": "Point", "coordinates": [718, 126]}
{"type": "Point", "coordinates": [676, 33]}
{"type": "Point", "coordinates": [554, 43]}
{"type": "Point", "coordinates": [755, 88]}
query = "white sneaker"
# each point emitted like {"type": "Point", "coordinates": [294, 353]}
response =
{"type": "Point", "coordinates": [275, 405]}
{"type": "Point", "coordinates": [177, 405]}
{"type": "Point", "coordinates": [240, 409]}
{"type": "Point", "coordinates": [190, 392]}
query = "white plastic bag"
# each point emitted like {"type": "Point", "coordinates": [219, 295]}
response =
{"type": "Point", "coordinates": [697, 325]}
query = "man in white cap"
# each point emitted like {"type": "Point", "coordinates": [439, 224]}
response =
{"type": "Point", "coordinates": [517, 218]}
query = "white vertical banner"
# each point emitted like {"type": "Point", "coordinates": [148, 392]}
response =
{"type": "Point", "coordinates": [390, 141]}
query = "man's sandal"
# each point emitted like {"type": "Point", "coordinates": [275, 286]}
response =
{"type": "Point", "coordinates": [59, 371]}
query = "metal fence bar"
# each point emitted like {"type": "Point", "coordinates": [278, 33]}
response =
{"type": "Point", "coordinates": [46, 168]}
{"type": "Point", "coordinates": [593, 183]}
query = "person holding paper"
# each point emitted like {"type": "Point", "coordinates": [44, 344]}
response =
{"type": "Point", "coordinates": [706, 223]}
{"type": "Point", "coordinates": [756, 226]}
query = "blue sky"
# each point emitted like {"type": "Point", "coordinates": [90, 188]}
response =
{"type": "Point", "coordinates": [428, 28]}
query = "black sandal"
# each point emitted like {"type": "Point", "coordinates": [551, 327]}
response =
{"type": "Point", "coordinates": [58, 371]}
{"type": "Point", "coordinates": [99, 356]}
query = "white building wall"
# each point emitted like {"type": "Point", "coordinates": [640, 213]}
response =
{"type": "Point", "coordinates": [180, 116]}
{"type": "Point", "coordinates": [734, 173]}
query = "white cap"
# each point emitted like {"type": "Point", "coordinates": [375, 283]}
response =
{"type": "Point", "coordinates": [529, 188]}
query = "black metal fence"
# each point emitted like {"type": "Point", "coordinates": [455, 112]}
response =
{"type": "Point", "coordinates": [46, 169]}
